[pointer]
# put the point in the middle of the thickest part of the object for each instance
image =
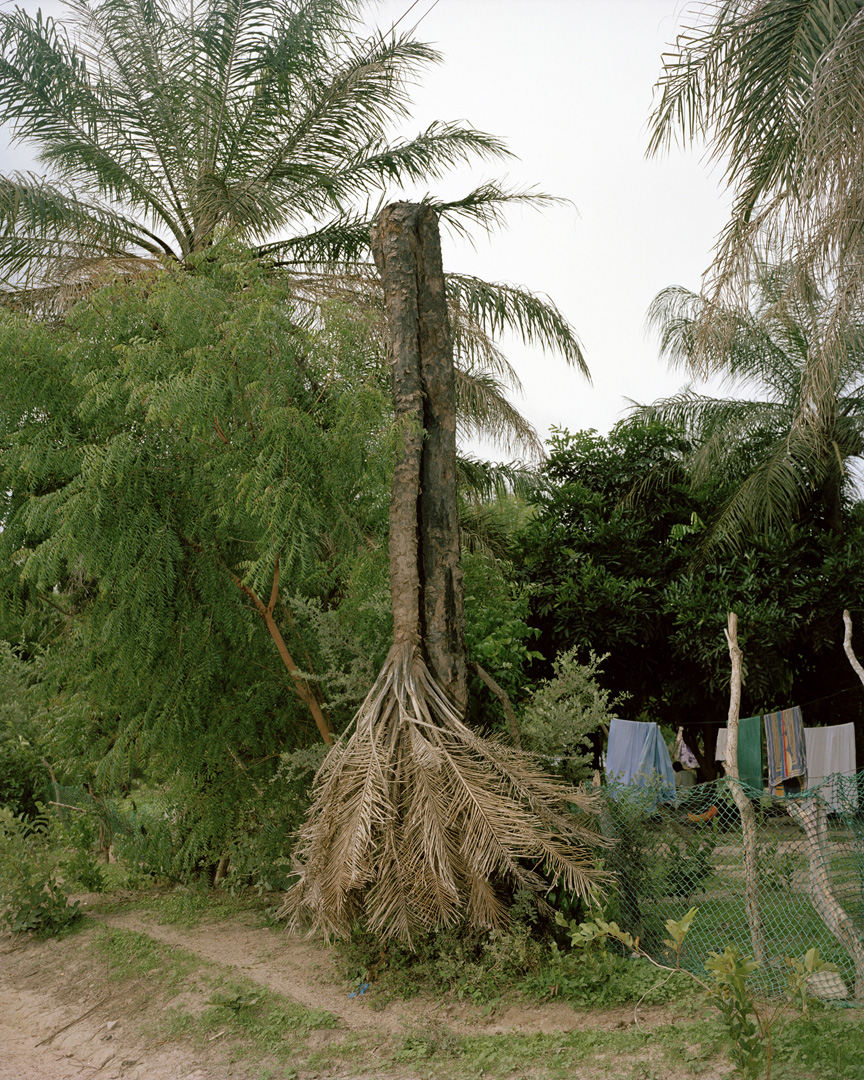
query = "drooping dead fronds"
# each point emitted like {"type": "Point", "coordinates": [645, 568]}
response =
{"type": "Point", "coordinates": [416, 819]}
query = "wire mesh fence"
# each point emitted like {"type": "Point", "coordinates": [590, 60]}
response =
{"type": "Point", "coordinates": [792, 881]}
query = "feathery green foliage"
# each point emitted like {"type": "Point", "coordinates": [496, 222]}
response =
{"type": "Point", "coordinates": [160, 452]}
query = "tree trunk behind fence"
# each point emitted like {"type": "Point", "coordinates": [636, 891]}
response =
{"type": "Point", "coordinates": [811, 815]}
{"type": "Point", "coordinates": [742, 800]}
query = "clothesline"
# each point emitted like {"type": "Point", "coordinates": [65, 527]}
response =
{"type": "Point", "coordinates": [804, 705]}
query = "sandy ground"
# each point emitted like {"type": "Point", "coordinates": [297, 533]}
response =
{"type": "Point", "coordinates": [62, 1017]}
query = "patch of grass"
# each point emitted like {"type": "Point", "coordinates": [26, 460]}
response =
{"type": "Point", "coordinates": [134, 955]}
{"type": "Point", "coordinates": [429, 1040]}
{"type": "Point", "coordinates": [264, 1023]}
{"type": "Point", "coordinates": [829, 1046]}
{"type": "Point", "coordinates": [190, 906]}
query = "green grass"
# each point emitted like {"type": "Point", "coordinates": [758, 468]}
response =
{"type": "Point", "coordinates": [790, 924]}
{"type": "Point", "coordinates": [255, 1021]}
{"type": "Point", "coordinates": [829, 1046]}
{"type": "Point", "coordinates": [133, 955]}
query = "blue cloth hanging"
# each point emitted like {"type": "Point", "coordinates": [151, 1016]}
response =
{"type": "Point", "coordinates": [636, 755]}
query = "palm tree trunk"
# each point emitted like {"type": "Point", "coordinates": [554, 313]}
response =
{"type": "Point", "coordinates": [424, 514]}
{"type": "Point", "coordinates": [394, 248]}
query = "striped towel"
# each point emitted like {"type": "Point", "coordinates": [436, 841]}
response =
{"type": "Point", "coordinates": [784, 738]}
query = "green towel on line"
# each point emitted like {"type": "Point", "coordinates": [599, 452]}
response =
{"type": "Point", "coordinates": [750, 752]}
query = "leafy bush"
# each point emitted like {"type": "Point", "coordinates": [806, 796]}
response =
{"type": "Point", "coordinates": [480, 967]}
{"type": "Point", "coordinates": [22, 775]}
{"type": "Point", "coordinates": [32, 894]}
{"type": "Point", "coordinates": [687, 865]}
{"type": "Point", "coordinates": [564, 711]}
{"type": "Point", "coordinates": [80, 867]}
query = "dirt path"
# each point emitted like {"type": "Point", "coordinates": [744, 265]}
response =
{"type": "Point", "coordinates": [64, 1015]}
{"type": "Point", "coordinates": [54, 1028]}
{"type": "Point", "coordinates": [303, 972]}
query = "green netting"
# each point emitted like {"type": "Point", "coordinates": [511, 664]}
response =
{"type": "Point", "coordinates": [690, 852]}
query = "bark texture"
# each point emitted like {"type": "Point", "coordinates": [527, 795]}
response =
{"type": "Point", "coordinates": [742, 800]}
{"type": "Point", "coordinates": [811, 814]}
{"type": "Point", "coordinates": [425, 575]}
{"type": "Point", "coordinates": [847, 646]}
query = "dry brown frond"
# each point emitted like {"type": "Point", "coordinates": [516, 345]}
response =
{"type": "Point", "coordinates": [417, 819]}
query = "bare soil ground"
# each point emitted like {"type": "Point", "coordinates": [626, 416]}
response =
{"type": "Point", "coordinates": [65, 1014]}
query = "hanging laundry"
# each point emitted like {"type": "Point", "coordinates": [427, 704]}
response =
{"type": "Point", "coordinates": [637, 755]}
{"type": "Point", "coordinates": [683, 753]}
{"type": "Point", "coordinates": [784, 739]}
{"type": "Point", "coordinates": [831, 758]}
{"type": "Point", "coordinates": [749, 751]}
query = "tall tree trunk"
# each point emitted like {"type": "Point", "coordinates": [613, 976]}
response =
{"type": "Point", "coordinates": [394, 245]}
{"type": "Point", "coordinates": [742, 800]}
{"type": "Point", "coordinates": [415, 821]}
{"type": "Point", "coordinates": [424, 524]}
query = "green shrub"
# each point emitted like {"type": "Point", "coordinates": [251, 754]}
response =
{"type": "Point", "coordinates": [23, 778]}
{"type": "Point", "coordinates": [564, 711]}
{"type": "Point", "coordinates": [32, 894]}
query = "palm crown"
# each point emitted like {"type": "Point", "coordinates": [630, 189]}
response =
{"type": "Point", "coordinates": [167, 129]}
{"type": "Point", "coordinates": [786, 450]}
{"type": "Point", "coordinates": [775, 86]}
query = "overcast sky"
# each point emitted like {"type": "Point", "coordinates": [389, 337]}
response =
{"type": "Point", "coordinates": [568, 84]}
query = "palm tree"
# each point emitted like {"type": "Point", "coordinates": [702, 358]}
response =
{"type": "Point", "coordinates": [167, 129]}
{"type": "Point", "coordinates": [775, 87]}
{"type": "Point", "coordinates": [786, 451]}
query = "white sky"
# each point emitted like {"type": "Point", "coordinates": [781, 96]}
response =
{"type": "Point", "coordinates": [568, 85]}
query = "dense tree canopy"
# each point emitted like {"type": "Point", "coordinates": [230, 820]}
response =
{"type": "Point", "coordinates": [181, 450]}
{"type": "Point", "coordinates": [612, 562]}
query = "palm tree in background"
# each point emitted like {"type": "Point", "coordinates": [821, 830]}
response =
{"type": "Point", "coordinates": [787, 449]}
{"type": "Point", "coordinates": [168, 129]}
{"type": "Point", "coordinates": [776, 89]}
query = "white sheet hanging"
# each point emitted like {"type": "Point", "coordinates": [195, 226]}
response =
{"type": "Point", "coordinates": [831, 750]}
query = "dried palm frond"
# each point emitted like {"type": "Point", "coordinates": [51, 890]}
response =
{"type": "Point", "coordinates": [417, 819]}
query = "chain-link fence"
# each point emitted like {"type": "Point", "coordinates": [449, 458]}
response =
{"type": "Point", "coordinates": [787, 878]}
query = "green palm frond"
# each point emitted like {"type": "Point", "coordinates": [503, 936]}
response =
{"type": "Point", "coordinates": [486, 206]}
{"type": "Point", "coordinates": [795, 373]}
{"type": "Point", "coordinates": [483, 410]}
{"type": "Point", "coordinates": [481, 481]}
{"type": "Point", "coordinates": [47, 233]}
{"type": "Point", "coordinates": [775, 88]}
{"type": "Point", "coordinates": [498, 307]}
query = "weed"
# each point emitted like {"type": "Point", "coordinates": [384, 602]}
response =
{"type": "Point", "coordinates": [32, 895]}
{"type": "Point", "coordinates": [428, 1040]}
